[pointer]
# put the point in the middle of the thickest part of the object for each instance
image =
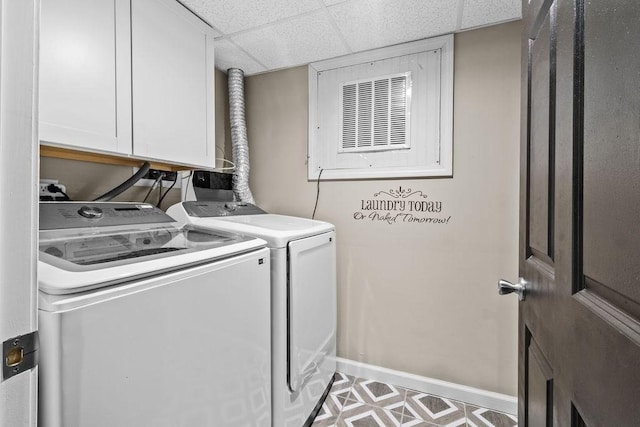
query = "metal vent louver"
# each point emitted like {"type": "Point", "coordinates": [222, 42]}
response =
{"type": "Point", "coordinates": [375, 113]}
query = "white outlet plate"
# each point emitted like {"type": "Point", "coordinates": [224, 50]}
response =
{"type": "Point", "coordinates": [44, 183]}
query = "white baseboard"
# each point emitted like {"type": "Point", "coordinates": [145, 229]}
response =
{"type": "Point", "coordinates": [475, 396]}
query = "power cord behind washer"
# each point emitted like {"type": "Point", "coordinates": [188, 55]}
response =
{"type": "Point", "coordinates": [317, 195]}
{"type": "Point", "coordinates": [52, 188]}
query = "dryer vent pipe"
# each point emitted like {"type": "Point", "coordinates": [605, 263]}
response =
{"type": "Point", "coordinates": [239, 143]}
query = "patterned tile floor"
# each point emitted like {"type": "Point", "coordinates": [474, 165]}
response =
{"type": "Point", "coordinates": [358, 402]}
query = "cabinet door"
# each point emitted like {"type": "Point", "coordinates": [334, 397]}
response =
{"type": "Point", "coordinates": [172, 55]}
{"type": "Point", "coordinates": [85, 74]}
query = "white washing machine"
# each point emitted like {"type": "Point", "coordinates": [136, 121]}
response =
{"type": "Point", "coordinates": [303, 300]}
{"type": "Point", "coordinates": [143, 322]}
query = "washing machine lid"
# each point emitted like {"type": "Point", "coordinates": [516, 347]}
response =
{"type": "Point", "coordinates": [238, 217]}
{"type": "Point", "coordinates": [83, 255]}
{"type": "Point", "coordinates": [76, 262]}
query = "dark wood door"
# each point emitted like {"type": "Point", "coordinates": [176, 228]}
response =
{"type": "Point", "coordinates": [579, 326]}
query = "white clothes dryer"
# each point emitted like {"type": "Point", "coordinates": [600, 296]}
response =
{"type": "Point", "coordinates": [144, 322]}
{"type": "Point", "coordinates": [303, 300]}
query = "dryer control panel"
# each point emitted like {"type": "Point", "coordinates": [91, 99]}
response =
{"type": "Point", "coordinates": [210, 209]}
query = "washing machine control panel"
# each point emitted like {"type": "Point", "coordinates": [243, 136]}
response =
{"type": "Point", "coordinates": [210, 209]}
{"type": "Point", "coordinates": [59, 215]}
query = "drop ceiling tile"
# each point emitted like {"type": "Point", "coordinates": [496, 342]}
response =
{"type": "Point", "coordinates": [477, 13]}
{"type": "Point", "coordinates": [230, 16]}
{"type": "Point", "coordinates": [332, 2]}
{"type": "Point", "coordinates": [297, 41]}
{"type": "Point", "coordinates": [369, 24]}
{"type": "Point", "coordinates": [229, 55]}
{"type": "Point", "coordinates": [189, 4]}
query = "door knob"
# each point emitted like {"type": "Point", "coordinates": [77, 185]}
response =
{"type": "Point", "coordinates": [505, 287]}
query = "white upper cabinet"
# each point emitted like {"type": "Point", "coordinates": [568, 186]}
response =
{"type": "Point", "coordinates": [173, 81]}
{"type": "Point", "coordinates": [127, 77]}
{"type": "Point", "coordinates": [85, 74]}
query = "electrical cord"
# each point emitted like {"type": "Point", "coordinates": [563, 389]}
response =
{"type": "Point", "coordinates": [167, 192]}
{"type": "Point", "coordinates": [228, 168]}
{"type": "Point", "coordinates": [317, 195]}
{"type": "Point", "coordinates": [223, 160]}
{"type": "Point", "coordinates": [188, 178]}
{"type": "Point", "coordinates": [52, 188]}
{"type": "Point", "coordinates": [153, 186]}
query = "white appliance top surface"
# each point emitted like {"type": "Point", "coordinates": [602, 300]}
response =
{"type": "Point", "coordinates": [79, 254]}
{"type": "Point", "coordinates": [58, 276]}
{"type": "Point", "coordinates": [277, 223]}
{"type": "Point", "coordinates": [277, 230]}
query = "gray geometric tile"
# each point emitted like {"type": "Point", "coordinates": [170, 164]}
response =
{"type": "Point", "coordinates": [358, 402]}
{"type": "Point", "coordinates": [414, 422]}
{"type": "Point", "coordinates": [340, 390]}
{"type": "Point", "coordinates": [327, 416]}
{"type": "Point", "coordinates": [340, 400]}
{"type": "Point", "coordinates": [362, 415]}
{"type": "Point", "coordinates": [482, 417]}
{"type": "Point", "coordinates": [378, 394]}
{"type": "Point", "coordinates": [434, 409]}
{"type": "Point", "coordinates": [341, 381]}
{"type": "Point", "coordinates": [341, 397]}
{"type": "Point", "coordinates": [335, 401]}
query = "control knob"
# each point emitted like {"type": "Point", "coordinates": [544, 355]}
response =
{"type": "Point", "coordinates": [90, 212]}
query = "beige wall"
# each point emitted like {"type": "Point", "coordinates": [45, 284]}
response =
{"type": "Point", "coordinates": [86, 181]}
{"type": "Point", "coordinates": [419, 298]}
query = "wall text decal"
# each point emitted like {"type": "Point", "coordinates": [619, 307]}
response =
{"type": "Point", "coordinates": [401, 205]}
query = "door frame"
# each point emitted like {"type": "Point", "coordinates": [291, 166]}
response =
{"type": "Point", "coordinates": [19, 156]}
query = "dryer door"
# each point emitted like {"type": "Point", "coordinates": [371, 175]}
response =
{"type": "Point", "coordinates": [312, 308]}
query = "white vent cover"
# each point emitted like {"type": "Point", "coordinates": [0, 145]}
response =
{"type": "Point", "coordinates": [375, 113]}
{"type": "Point", "coordinates": [384, 113]}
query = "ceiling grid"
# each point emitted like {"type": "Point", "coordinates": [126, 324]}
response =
{"type": "Point", "coordinates": [264, 35]}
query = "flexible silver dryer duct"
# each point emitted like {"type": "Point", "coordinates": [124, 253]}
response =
{"type": "Point", "coordinates": [239, 143]}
